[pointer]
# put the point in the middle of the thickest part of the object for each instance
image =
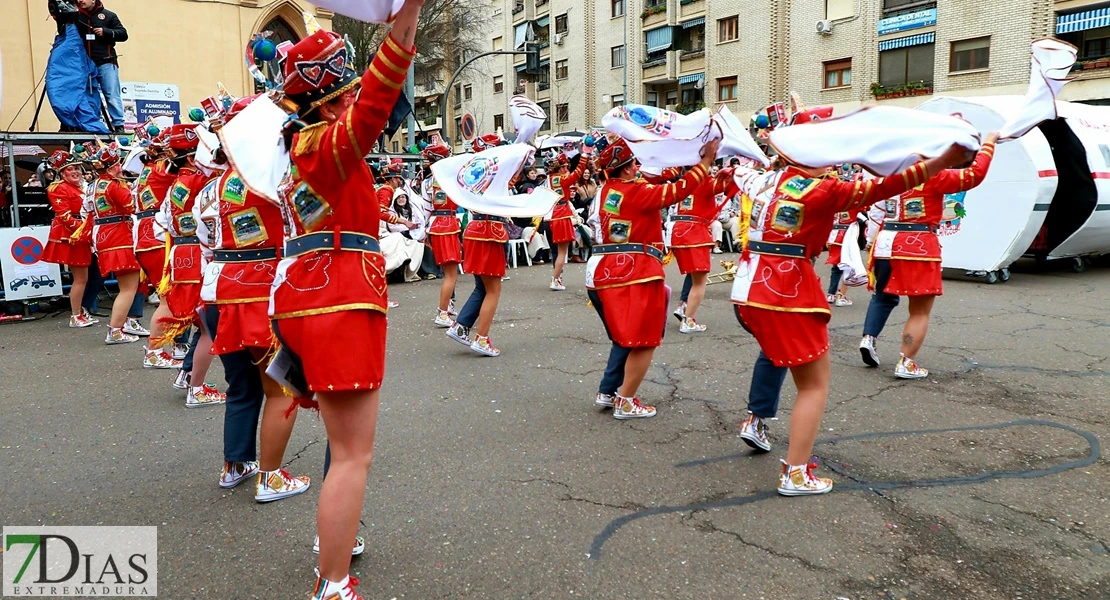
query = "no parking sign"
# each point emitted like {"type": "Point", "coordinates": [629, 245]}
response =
{"type": "Point", "coordinates": [23, 275]}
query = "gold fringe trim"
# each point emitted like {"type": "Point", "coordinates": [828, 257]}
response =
{"type": "Point", "coordinates": [308, 139]}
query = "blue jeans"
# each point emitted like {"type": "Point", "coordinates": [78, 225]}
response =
{"type": "Point", "coordinates": [187, 364]}
{"type": "Point", "coordinates": [613, 378]}
{"type": "Point", "coordinates": [767, 380]}
{"type": "Point", "coordinates": [108, 75]}
{"type": "Point", "coordinates": [468, 316]}
{"type": "Point", "coordinates": [834, 280]}
{"type": "Point", "coordinates": [244, 398]}
{"type": "Point", "coordinates": [687, 285]}
{"type": "Point", "coordinates": [882, 303]}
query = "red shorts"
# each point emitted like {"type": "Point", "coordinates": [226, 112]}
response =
{"type": "Point", "coordinates": [484, 258]}
{"type": "Point", "coordinates": [64, 253]}
{"type": "Point", "coordinates": [914, 278]}
{"type": "Point", "coordinates": [153, 263]}
{"type": "Point", "coordinates": [789, 339]}
{"type": "Point", "coordinates": [340, 351]}
{"type": "Point", "coordinates": [183, 300]}
{"type": "Point", "coordinates": [446, 248]}
{"type": "Point", "coordinates": [635, 316]}
{"type": "Point", "coordinates": [562, 231]}
{"type": "Point", "coordinates": [119, 261]}
{"type": "Point", "coordinates": [693, 260]}
{"type": "Point", "coordinates": [245, 325]}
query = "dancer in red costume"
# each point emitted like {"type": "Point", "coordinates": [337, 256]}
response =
{"type": "Point", "coordinates": [905, 260]}
{"type": "Point", "coordinates": [561, 222]}
{"type": "Point", "coordinates": [69, 242]}
{"type": "Point", "coordinates": [329, 296]}
{"type": "Point", "coordinates": [625, 278]}
{"type": "Point", "coordinates": [443, 234]}
{"type": "Point", "coordinates": [112, 238]}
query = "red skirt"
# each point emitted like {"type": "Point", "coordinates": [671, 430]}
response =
{"type": "Point", "coordinates": [635, 316]}
{"type": "Point", "coordinates": [446, 248]}
{"type": "Point", "coordinates": [789, 339]}
{"type": "Point", "coordinates": [153, 263]}
{"type": "Point", "coordinates": [336, 366]}
{"type": "Point", "coordinates": [562, 231]}
{"type": "Point", "coordinates": [834, 255]}
{"type": "Point", "coordinates": [245, 325]}
{"type": "Point", "coordinates": [119, 261]}
{"type": "Point", "coordinates": [65, 253]}
{"type": "Point", "coordinates": [183, 299]}
{"type": "Point", "coordinates": [914, 278]}
{"type": "Point", "coordinates": [693, 260]}
{"type": "Point", "coordinates": [484, 258]}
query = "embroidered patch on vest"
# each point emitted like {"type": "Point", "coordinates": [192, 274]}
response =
{"type": "Point", "coordinates": [147, 199]}
{"type": "Point", "coordinates": [757, 212]}
{"type": "Point", "coordinates": [891, 206]}
{"type": "Point", "coordinates": [788, 216]}
{"type": "Point", "coordinates": [234, 190]}
{"type": "Point", "coordinates": [796, 187]}
{"type": "Point", "coordinates": [613, 202]}
{"type": "Point", "coordinates": [102, 205]}
{"type": "Point", "coordinates": [913, 208]}
{"type": "Point", "coordinates": [179, 193]}
{"type": "Point", "coordinates": [619, 231]}
{"type": "Point", "coordinates": [186, 224]}
{"type": "Point", "coordinates": [687, 204]}
{"type": "Point", "coordinates": [247, 227]}
{"type": "Point", "coordinates": [144, 176]}
{"type": "Point", "coordinates": [309, 207]}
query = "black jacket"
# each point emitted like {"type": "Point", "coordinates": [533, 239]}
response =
{"type": "Point", "coordinates": [102, 49]}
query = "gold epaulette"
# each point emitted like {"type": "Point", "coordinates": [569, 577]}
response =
{"type": "Point", "coordinates": [308, 139]}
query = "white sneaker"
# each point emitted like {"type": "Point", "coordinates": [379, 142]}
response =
{"type": "Point", "coordinates": [680, 312]}
{"type": "Point", "coordinates": [394, 304]}
{"type": "Point", "coordinates": [80, 321]}
{"type": "Point", "coordinates": [631, 408]}
{"type": "Point", "coordinates": [153, 299]}
{"type": "Point", "coordinates": [159, 359]}
{"type": "Point", "coordinates": [842, 300]}
{"type": "Point", "coordinates": [235, 473]}
{"type": "Point", "coordinates": [335, 590]}
{"type": "Point", "coordinates": [459, 333]}
{"type": "Point", "coordinates": [505, 278]}
{"type": "Point", "coordinates": [204, 395]}
{"type": "Point", "coordinates": [798, 480]}
{"type": "Point", "coordinates": [754, 433]}
{"type": "Point", "coordinates": [117, 336]}
{"type": "Point", "coordinates": [907, 369]}
{"type": "Point", "coordinates": [451, 308]}
{"type": "Point", "coordinates": [278, 485]}
{"type": "Point", "coordinates": [134, 327]}
{"type": "Point", "coordinates": [717, 250]}
{"type": "Point", "coordinates": [184, 380]}
{"type": "Point", "coordinates": [88, 317]}
{"type": "Point", "coordinates": [483, 345]}
{"type": "Point", "coordinates": [867, 351]}
{"type": "Point", "coordinates": [180, 351]}
{"type": "Point", "coordinates": [360, 545]}
{"type": "Point", "coordinates": [557, 284]}
{"type": "Point", "coordinates": [443, 319]}
{"type": "Point", "coordinates": [689, 325]}
{"type": "Point", "coordinates": [603, 400]}
{"type": "Point", "coordinates": [830, 298]}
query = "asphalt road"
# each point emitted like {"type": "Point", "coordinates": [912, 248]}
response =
{"type": "Point", "coordinates": [496, 478]}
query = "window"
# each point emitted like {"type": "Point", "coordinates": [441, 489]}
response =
{"type": "Point", "coordinates": [968, 55]}
{"type": "Point", "coordinates": [458, 129]}
{"type": "Point", "coordinates": [691, 95]}
{"type": "Point", "coordinates": [616, 54]}
{"type": "Point", "coordinates": [543, 82]}
{"type": "Point", "coordinates": [498, 43]}
{"type": "Point", "coordinates": [618, 8]}
{"type": "Point", "coordinates": [906, 65]}
{"type": "Point", "coordinates": [518, 6]}
{"type": "Point", "coordinates": [546, 106]}
{"type": "Point", "coordinates": [561, 69]}
{"type": "Point", "coordinates": [672, 97]}
{"type": "Point", "coordinates": [728, 29]}
{"type": "Point", "coordinates": [692, 39]}
{"type": "Point", "coordinates": [468, 92]}
{"type": "Point", "coordinates": [499, 122]}
{"type": "Point", "coordinates": [618, 100]}
{"type": "Point", "coordinates": [396, 147]}
{"type": "Point", "coordinates": [726, 89]}
{"type": "Point", "coordinates": [653, 99]}
{"type": "Point", "coordinates": [562, 113]}
{"type": "Point", "coordinates": [838, 73]}
{"type": "Point", "coordinates": [654, 3]}
{"type": "Point", "coordinates": [561, 23]}
{"type": "Point", "coordinates": [1092, 43]}
{"type": "Point", "coordinates": [498, 84]}
{"type": "Point", "coordinates": [892, 7]}
{"type": "Point", "coordinates": [458, 95]}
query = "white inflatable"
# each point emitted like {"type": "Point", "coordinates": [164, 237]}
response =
{"type": "Point", "coordinates": [1091, 124]}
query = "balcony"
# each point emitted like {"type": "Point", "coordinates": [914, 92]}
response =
{"type": "Point", "coordinates": [691, 8]}
{"type": "Point", "coordinates": [691, 61]}
{"type": "Point", "coordinates": [661, 70]}
{"type": "Point", "coordinates": [654, 14]}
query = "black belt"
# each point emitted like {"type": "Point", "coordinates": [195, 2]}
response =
{"type": "Point", "coordinates": [896, 226]}
{"type": "Point", "coordinates": [310, 242]}
{"type": "Point", "coordinates": [110, 220]}
{"type": "Point", "coordinates": [443, 213]}
{"type": "Point", "coordinates": [628, 249]}
{"type": "Point", "coordinates": [241, 256]}
{"type": "Point", "coordinates": [147, 213]}
{"type": "Point", "coordinates": [838, 226]}
{"type": "Point", "coordinates": [773, 249]}
{"type": "Point", "coordinates": [477, 217]}
{"type": "Point", "coordinates": [689, 218]}
{"type": "Point", "coordinates": [186, 240]}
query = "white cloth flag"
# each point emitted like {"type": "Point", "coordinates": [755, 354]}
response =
{"type": "Point", "coordinates": [527, 116]}
{"type": "Point", "coordinates": [1052, 61]}
{"type": "Point", "coordinates": [883, 139]}
{"type": "Point", "coordinates": [482, 182]}
{"type": "Point", "coordinates": [851, 262]}
{"type": "Point", "coordinates": [662, 138]}
{"type": "Point", "coordinates": [370, 11]}
{"type": "Point", "coordinates": [254, 145]}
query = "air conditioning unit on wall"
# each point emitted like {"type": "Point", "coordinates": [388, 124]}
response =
{"type": "Point", "coordinates": [825, 27]}
{"type": "Point", "coordinates": [560, 38]}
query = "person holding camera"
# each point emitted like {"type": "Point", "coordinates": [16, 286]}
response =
{"type": "Point", "coordinates": [102, 30]}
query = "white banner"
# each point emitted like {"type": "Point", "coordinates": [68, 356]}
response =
{"type": "Point", "coordinates": [24, 276]}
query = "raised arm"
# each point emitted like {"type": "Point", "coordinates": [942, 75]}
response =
{"type": "Point", "coordinates": [673, 193]}
{"type": "Point", "coordinates": [951, 181]}
{"type": "Point", "coordinates": [850, 195]}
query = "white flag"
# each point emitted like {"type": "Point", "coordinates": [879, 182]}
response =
{"type": "Point", "coordinates": [1052, 61]}
{"type": "Point", "coordinates": [370, 11]}
{"type": "Point", "coordinates": [527, 116]}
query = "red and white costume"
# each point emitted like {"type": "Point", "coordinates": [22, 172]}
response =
{"type": "Point", "coordinates": [181, 284]}
{"type": "Point", "coordinates": [112, 226]}
{"type": "Point", "coordinates": [69, 243]}
{"type": "Point", "coordinates": [561, 220]}
{"type": "Point", "coordinates": [484, 245]}
{"type": "Point", "coordinates": [908, 237]}
{"type": "Point", "coordinates": [841, 222]}
{"type": "Point", "coordinates": [149, 237]}
{"type": "Point", "coordinates": [691, 235]}
{"type": "Point", "coordinates": [444, 228]}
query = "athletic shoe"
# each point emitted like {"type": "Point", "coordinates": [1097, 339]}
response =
{"type": "Point", "coordinates": [842, 300]}
{"type": "Point", "coordinates": [88, 317]}
{"type": "Point", "coordinates": [717, 251]}
{"type": "Point", "coordinates": [557, 284]}
{"type": "Point", "coordinates": [443, 319]}
{"type": "Point", "coordinates": [184, 380]}
{"type": "Point", "coordinates": [277, 485]}
{"type": "Point", "coordinates": [867, 351]}
{"type": "Point", "coordinates": [80, 321]}
{"type": "Point", "coordinates": [180, 351]}
{"type": "Point", "coordinates": [117, 336]}
{"type": "Point", "coordinates": [235, 473]}
{"type": "Point", "coordinates": [754, 433]}
{"type": "Point", "coordinates": [160, 359]}
{"type": "Point", "coordinates": [830, 298]}
{"type": "Point", "coordinates": [689, 325]}
{"type": "Point", "coordinates": [483, 345]}
{"type": "Point", "coordinates": [204, 395]}
{"type": "Point", "coordinates": [631, 408]}
{"type": "Point", "coordinates": [459, 333]}
{"type": "Point", "coordinates": [134, 327]}
{"type": "Point", "coordinates": [153, 299]}
{"type": "Point", "coordinates": [394, 304]}
{"type": "Point", "coordinates": [603, 400]}
{"type": "Point", "coordinates": [908, 369]}
{"type": "Point", "coordinates": [360, 545]}
{"type": "Point", "coordinates": [798, 480]}
{"type": "Point", "coordinates": [451, 307]}
{"type": "Point", "coordinates": [680, 312]}
{"type": "Point", "coordinates": [335, 590]}
{"type": "Point", "coordinates": [505, 278]}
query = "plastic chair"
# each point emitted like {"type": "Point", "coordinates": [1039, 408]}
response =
{"type": "Point", "coordinates": [523, 249]}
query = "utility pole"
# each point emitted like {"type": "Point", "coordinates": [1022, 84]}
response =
{"type": "Point", "coordinates": [410, 91]}
{"type": "Point", "coordinates": [445, 96]}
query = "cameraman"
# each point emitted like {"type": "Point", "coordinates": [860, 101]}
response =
{"type": "Point", "coordinates": [101, 30]}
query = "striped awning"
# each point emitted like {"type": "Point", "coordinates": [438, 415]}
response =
{"type": "Point", "coordinates": [659, 39]}
{"type": "Point", "coordinates": [1082, 21]}
{"type": "Point", "coordinates": [693, 22]}
{"type": "Point", "coordinates": [520, 68]}
{"type": "Point", "coordinates": [910, 40]}
{"type": "Point", "coordinates": [691, 78]}
{"type": "Point", "coordinates": [543, 21]}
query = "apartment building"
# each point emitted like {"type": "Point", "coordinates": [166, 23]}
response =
{"type": "Point", "coordinates": [747, 54]}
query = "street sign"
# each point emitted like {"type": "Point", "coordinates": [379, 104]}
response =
{"type": "Point", "coordinates": [142, 100]}
{"type": "Point", "coordinates": [25, 275]}
{"type": "Point", "coordinates": [469, 127]}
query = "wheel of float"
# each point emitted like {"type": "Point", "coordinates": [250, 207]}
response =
{"type": "Point", "coordinates": [992, 277]}
{"type": "Point", "coordinates": [1078, 265]}
{"type": "Point", "coordinates": [1004, 275]}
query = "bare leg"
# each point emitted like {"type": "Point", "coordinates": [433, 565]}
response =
{"type": "Point", "coordinates": [350, 419]}
{"type": "Point", "coordinates": [564, 250]}
{"type": "Point", "coordinates": [77, 290]}
{"type": "Point", "coordinates": [913, 334]}
{"type": "Point", "coordinates": [489, 304]}
{"type": "Point", "coordinates": [843, 288]}
{"type": "Point", "coordinates": [202, 359]}
{"type": "Point", "coordinates": [812, 381]}
{"type": "Point", "coordinates": [156, 327]}
{"type": "Point", "coordinates": [450, 276]}
{"type": "Point", "coordinates": [276, 428]}
{"type": "Point", "coordinates": [635, 369]}
{"type": "Point", "coordinates": [697, 293]}
{"type": "Point", "coordinates": [128, 284]}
